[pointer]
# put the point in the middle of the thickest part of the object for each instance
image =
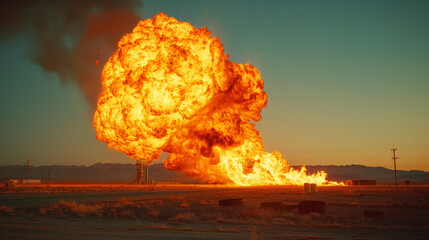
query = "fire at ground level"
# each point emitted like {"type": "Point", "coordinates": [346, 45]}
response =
{"type": "Point", "coordinates": [112, 211]}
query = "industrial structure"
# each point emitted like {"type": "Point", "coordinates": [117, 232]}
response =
{"type": "Point", "coordinates": [142, 176]}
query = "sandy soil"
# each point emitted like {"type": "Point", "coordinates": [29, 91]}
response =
{"type": "Point", "coordinates": [112, 211]}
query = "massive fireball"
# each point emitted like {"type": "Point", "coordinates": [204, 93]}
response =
{"type": "Point", "coordinates": [170, 87]}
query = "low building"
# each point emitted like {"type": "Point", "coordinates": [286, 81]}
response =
{"type": "Point", "coordinates": [408, 182]}
{"type": "Point", "coordinates": [361, 182]}
{"type": "Point", "coordinates": [31, 181]}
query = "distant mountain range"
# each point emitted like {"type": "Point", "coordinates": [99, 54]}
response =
{"type": "Point", "coordinates": [117, 172]}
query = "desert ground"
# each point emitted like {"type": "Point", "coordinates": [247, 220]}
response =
{"type": "Point", "coordinates": [113, 211]}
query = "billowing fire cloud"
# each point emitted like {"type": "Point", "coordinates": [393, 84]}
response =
{"type": "Point", "coordinates": [170, 87]}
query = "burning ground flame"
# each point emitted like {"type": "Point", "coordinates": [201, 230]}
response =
{"type": "Point", "coordinates": [170, 87]}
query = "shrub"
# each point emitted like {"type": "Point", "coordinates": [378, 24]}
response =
{"type": "Point", "coordinates": [127, 213]}
{"type": "Point", "coordinates": [79, 209]}
{"type": "Point", "coordinates": [4, 209]}
{"type": "Point", "coordinates": [184, 204]}
{"type": "Point", "coordinates": [153, 213]}
{"type": "Point", "coordinates": [184, 217]}
{"type": "Point", "coordinates": [42, 211]}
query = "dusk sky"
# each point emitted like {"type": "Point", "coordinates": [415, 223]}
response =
{"type": "Point", "coordinates": [346, 82]}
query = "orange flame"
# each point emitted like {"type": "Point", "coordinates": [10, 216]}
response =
{"type": "Point", "coordinates": [170, 87]}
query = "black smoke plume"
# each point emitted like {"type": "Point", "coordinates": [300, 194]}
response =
{"type": "Point", "coordinates": [71, 38]}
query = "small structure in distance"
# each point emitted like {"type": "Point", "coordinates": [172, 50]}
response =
{"type": "Point", "coordinates": [142, 176]}
{"type": "Point", "coordinates": [361, 182]}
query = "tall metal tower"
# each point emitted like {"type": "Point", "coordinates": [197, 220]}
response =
{"type": "Point", "coordinates": [142, 176]}
{"type": "Point", "coordinates": [394, 163]}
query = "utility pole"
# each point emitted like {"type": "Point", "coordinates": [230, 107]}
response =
{"type": "Point", "coordinates": [28, 165]}
{"type": "Point", "coordinates": [394, 163]}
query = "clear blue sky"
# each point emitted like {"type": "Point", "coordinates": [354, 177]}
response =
{"type": "Point", "coordinates": [346, 82]}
